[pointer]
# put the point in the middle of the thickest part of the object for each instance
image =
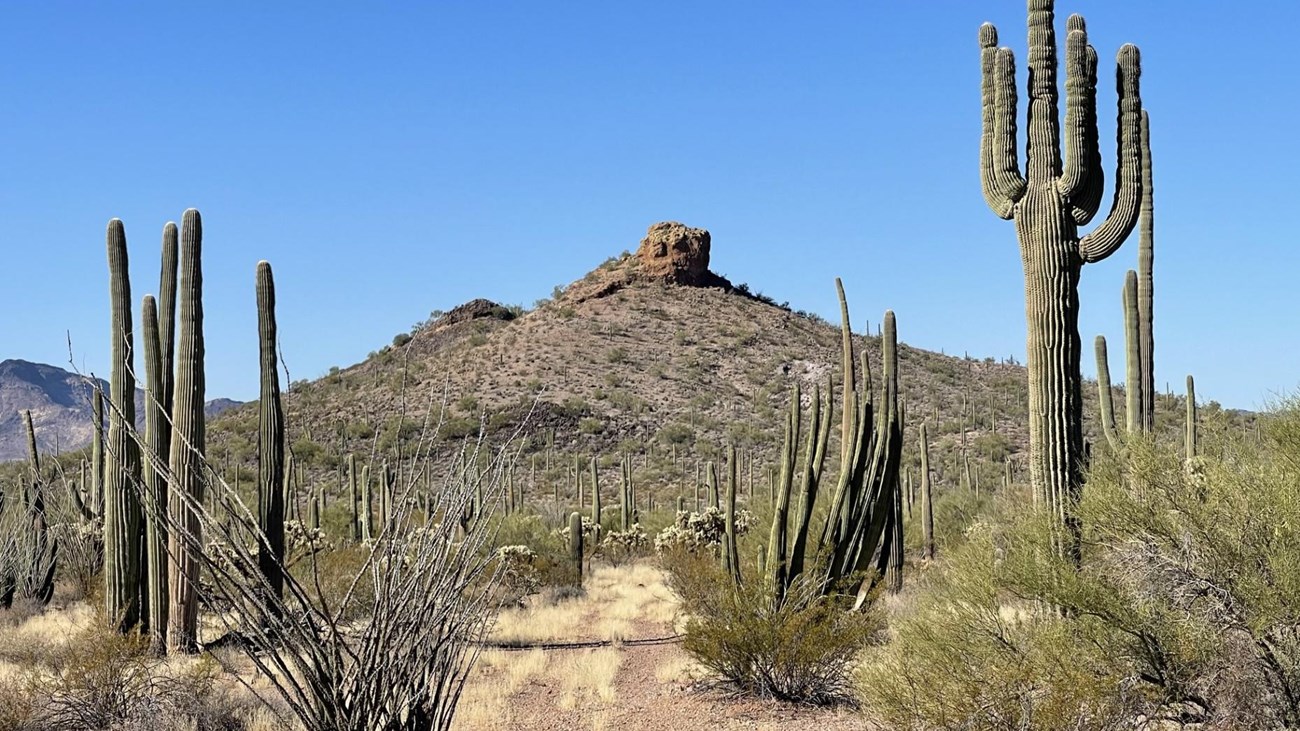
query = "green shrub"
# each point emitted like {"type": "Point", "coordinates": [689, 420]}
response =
{"type": "Point", "coordinates": [801, 651]}
{"type": "Point", "coordinates": [1185, 602]}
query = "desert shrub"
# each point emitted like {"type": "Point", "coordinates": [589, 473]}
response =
{"type": "Point", "coordinates": [803, 649]}
{"type": "Point", "coordinates": [1185, 603]}
{"type": "Point", "coordinates": [102, 680]}
{"type": "Point", "coordinates": [967, 656]}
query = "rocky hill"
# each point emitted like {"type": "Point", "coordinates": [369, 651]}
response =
{"type": "Point", "coordinates": [651, 355]}
{"type": "Point", "coordinates": [60, 402]}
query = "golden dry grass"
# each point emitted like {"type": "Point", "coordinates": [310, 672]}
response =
{"type": "Point", "coordinates": [617, 599]}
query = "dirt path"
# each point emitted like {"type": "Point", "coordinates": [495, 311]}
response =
{"type": "Point", "coordinates": [635, 686]}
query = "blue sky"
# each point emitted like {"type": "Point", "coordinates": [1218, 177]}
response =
{"type": "Point", "coordinates": [394, 159]}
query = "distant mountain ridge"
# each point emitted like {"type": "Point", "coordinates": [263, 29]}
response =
{"type": "Point", "coordinates": [60, 402]}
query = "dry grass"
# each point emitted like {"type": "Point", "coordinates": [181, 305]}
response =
{"type": "Point", "coordinates": [588, 677]}
{"type": "Point", "coordinates": [616, 602]}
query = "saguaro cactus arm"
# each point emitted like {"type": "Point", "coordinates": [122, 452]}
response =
{"type": "Point", "coordinates": [1132, 356]}
{"type": "Point", "coordinates": [1082, 178]}
{"type": "Point", "coordinates": [1106, 238]}
{"type": "Point", "coordinates": [999, 166]}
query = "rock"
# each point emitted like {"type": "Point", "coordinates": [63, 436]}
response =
{"type": "Point", "coordinates": [677, 254]}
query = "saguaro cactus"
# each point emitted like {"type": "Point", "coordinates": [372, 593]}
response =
{"type": "Point", "coordinates": [270, 441]}
{"type": "Point", "coordinates": [155, 483]}
{"type": "Point", "coordinates": [1104, 395]}
{"type": "Point", "coordinates": [185, 494]}
{"type": "Point", "coordinates": [595, 497]}
{"type": "Point", "coordinates": [1133, 398]}
{"type": "Point", "coordinates": [927, 498]}
{"type": "Point", "coordinates": [1145, 293]}
{"type": "Point", "coordinates": [122, 461]}
{"type": "Point", "coordinates": [1189, 437]}
{"type": "Point", "coordinates": [575, 542]}
{"type": "Point", "coordinates": [1048, 203]}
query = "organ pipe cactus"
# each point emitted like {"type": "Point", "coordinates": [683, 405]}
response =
{"type": "Point", "coordinates": [1048, 202]}
{"type": "Point", "coordinates": [367, 511]}
{"type": "Point", "coordinates": [155, 483]}
{"type": "Point", "coordinates": [122, 461]}
{"type": "Point", "coordinates": [271, 472]}
{"type": "Point", "coordinates": [731, 552]}
{"type": "Point", "coordinates": [185, 492]}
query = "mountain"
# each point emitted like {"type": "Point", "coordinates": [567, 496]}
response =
{"type": "Point", "coordinates": [650, 354]}
{"type": "Point", "coordinates": [60, 402]}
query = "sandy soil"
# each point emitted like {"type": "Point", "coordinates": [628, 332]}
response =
{"type": "Point", "coordinates": [620, 686]}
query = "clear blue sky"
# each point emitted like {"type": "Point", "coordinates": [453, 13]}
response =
{"type": "Point", "coordinates": [402, 158]}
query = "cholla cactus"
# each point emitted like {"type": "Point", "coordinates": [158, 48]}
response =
{"type": "Point", "coordinates": [518, 573]}
{"type": "Point", "coordinates": [621, 546]}
{"type": "Point", "coordinates": [700, 531]}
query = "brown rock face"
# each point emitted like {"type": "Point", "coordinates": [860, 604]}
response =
{"type": "Point", "coordinates": [675, 253]}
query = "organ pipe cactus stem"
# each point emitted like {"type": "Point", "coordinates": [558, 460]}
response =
{"type": "Point", "coordinates": [122, 461]}
{"type": "Point", "coordinates": [185, 492]}
{"type": "Point", "coordinates": [271, 472]}
{"type": "Point", "coordinates": [1047, 201]}
{"type": "Point", "coordinates": [777, 559]}
{"type": "Point", "coordinates": [156, 433]}
{"type": "Point", "coordinates": [711, 472]}
{"type": "Point", "coordinates": [731, 556]}
{"type": "Point", "coordinates": [808, 495]}
{"type": "Point", "coordinates": [1104, 395]}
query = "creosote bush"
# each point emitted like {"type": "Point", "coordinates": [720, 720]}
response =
{"type": "Point", "coordinates": [802, 650]}
{"type": "Point", "coordinates": [1185, 603]}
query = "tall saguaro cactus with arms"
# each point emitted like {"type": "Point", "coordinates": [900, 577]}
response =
{"type": "Point", "coordinates": [1048, 202]}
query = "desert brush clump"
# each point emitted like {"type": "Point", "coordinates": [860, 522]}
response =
{"type": "Point", "coordinates": [1182, 605]}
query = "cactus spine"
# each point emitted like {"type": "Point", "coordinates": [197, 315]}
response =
{"type": "Point", "coordinates": [185, 493]}
{"type": "Point", "coordinates": [271, 473]}
{"type": "Point", "coordinates": [155, 484]}
{"type": "Point", "coordinates": [122, 462]}
{"type": "Point", "coordinates": [1048, 204]}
